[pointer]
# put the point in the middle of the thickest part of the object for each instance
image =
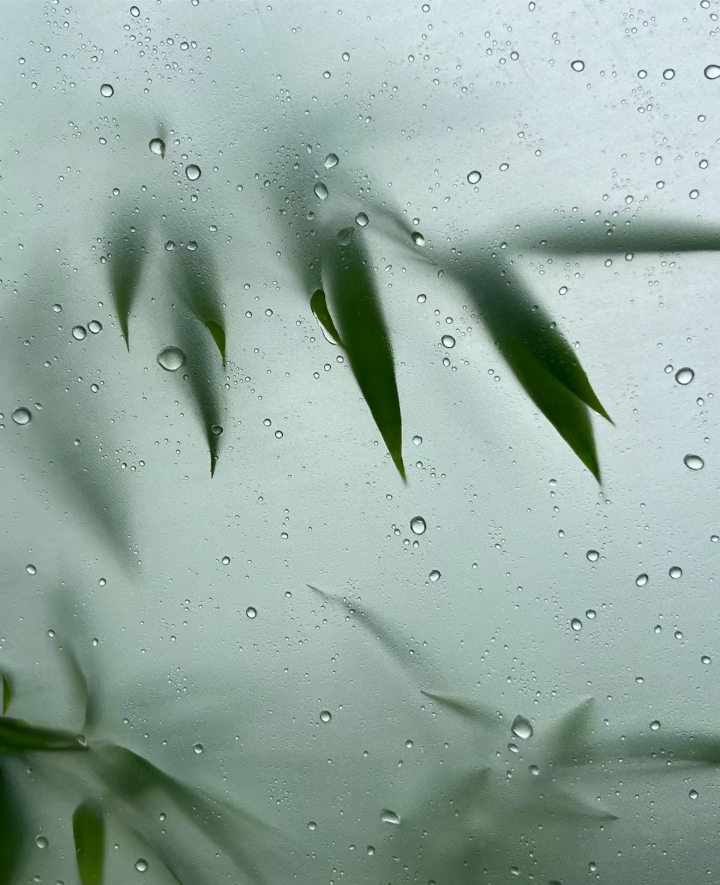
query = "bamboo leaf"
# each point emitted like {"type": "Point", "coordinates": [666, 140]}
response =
{"type": "Point", "coordinates": [573, 733]}
{"type": "Point", "coordinates": [13, 828]}
{"type": "Point", "coordinates": [196, 281]}
{"type": "Point", "coordinates": [125, 264]}
{"type": "Point", "coordinates": [8, 690]}
{"type": "Point", "coordinates": [319, 307]}
{"type": "Point", "coordinates": [218, 334]}
{"type": "Point", "coordinates": [17, 737]}
{"type": "Point", "coordinates": [82, 687]}
{"type": "Point", "coordinates": [349, 282]}
{"type": "Point", "coordinates": [89, 835]}
{"type": "Point", "coordinates": [466, 709]}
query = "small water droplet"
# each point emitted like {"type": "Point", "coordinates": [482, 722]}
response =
{"type": "Point", "coordinates": [21, 416]}
{"type": "Point", "coordinates": [198, 749]}
{"type": "Point", "coordinates": [217, 429]}
{"type": "Point", "coordinates": [668, 74]}
{"type": "Point", "coordinates": [521, 728]}
{"type": "Point", "coordinates": [171, 359]}
{"type": "Point", "coordinates": [422, 298]}
{"type": "Point", "coordinates": [434, 575]}
{"type": "Point", "coordinates": [694, 194]}
{"type": "Point", "coordinates": [312, 825]}
{"type": "Point", "coordinates": [389, 817]}
{"type": "Point", "coordinates": [675, 572]}
{"type": "Point", "coordinates": [448, 341]}
{"type": "Point", "coordinates": [361, 219]}
{"type": "Point", "coordinates": [157, 146]}
{"type": "Point", "coordinates": [325, 716]}
{"type": "Point", "coordinates": [703, 164]}
{"type": "Point", "coordinates": [141, 865]}
{"type": "Point", "coordinates": [642, 74]}
{"type": "Point", "coordinates": [134, 11]}
{"type": "Point", "coordinates": [226, 560]}
{"type": "Point", "coordinates": [593, 555]}
{"type": "Point", "coordinates": [684, 376]}
{"type": "Point", "coordinates": [41, 841]}
{"type": "Point", "coordinates": [577, 65]}
{"type": "Point", "coordinates": [655, 725]}
{"type": "Point", "coordinates": [169, 246]}
{"type": "Point", "coordinates": [31, 569]}
{"type": "Point", "coordinates": [417, 525]}
{"type": "Point", "coordinates": [534, 769]}
{"type": "Point", "coordinates": [371, 850]}
{"type": "Point", "coordinates": [251, 612]}
{"type": "Point", "coordinates": [474, 176]}
{"type": "Point", "coordinates": [330, 161]}
{"type": "Point", "coordinates": [641, 580]}
{"type": "Point", "coordinates": [417, 238]}
{"type": "Point", "coordinates": [417, 440]}
{"type": "Point", "coordinates": [321, 191]}
{"type": "Point", "coordinates": [51, 633]}
{"type": "Point", "coordinates": [712, 72]}
{"type": "Point", "coordinates": [694, 462]}
{"type": "Point", "coordinates": [193, 172]}
{"type": "Point", "coordinates": [705, 659]}
{"type": "Point", "coordinates": [106, 90]}
{"type": "Point", "coordinates": [576, 624]}
{"type": "Point", "coordinates": [95, 327]}
{"type": "Point", "coordinates": [79, 332]}
{"type": "Point", "coordinates": [693, 794]}
{"type": "Point", "coordinates": [590, 614]}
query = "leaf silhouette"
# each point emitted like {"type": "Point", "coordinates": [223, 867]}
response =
{"type": "Point", "coordinates": [18, 736]}
{"type": "Point", "coordinates": [13, 828]}
{"type": "Point", "coordinates": [573, 733]}
{"type": "Point", "coordinates": [319, 307]}
{"type": "Point", "coordinates": [467, 709]}
{"type": "Point", "coordinates": [196, 281]}
{"type": "Point", "coordinates": [349, 282]}
{"type": "Point", "coordinates": [7, 691]}
{"type": "Point", "coordinates": [658, 746]}
{"type": "Point", "coordinates": [170, 866]}
{"type": "Point", "coordinates": [125, 264]}
{"type": "Point", "coordinates": [89, 834]}
{"type": "Point", "coordinates": [82, 687]}
{"type": "Point", "coordinates": [553, 802]}
{"type": "Point", "coordinates": [218, 334]}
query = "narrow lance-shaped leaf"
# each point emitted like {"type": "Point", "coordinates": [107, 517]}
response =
{"type": "Point", "coordinates": [467, 709]}
{"type": "Point", "coordinates": [18, 737]}
{"type": "Point", "coordinates": [196, 280]}
{"type": "Point", "coordinates": [13, 828]}
{"type": "Point", "coordinates": [82, 687]}
{"type": "Point", "coordinates": [125, 265]}
{"type": "Point", "coordinates": [319, 307]}
{"type": "Point", "coordinates": [170, 866]}
{"type": "Point", "coordinates": [7, 691]}
{"type": "Point", "coordinates": [349, 283]}
{"type": "Point", "coordinates": [658, 746]}
{"type": "Point", "coordinates": [572, 735]}
{"type": "Point", "coordinates": [89, 834]}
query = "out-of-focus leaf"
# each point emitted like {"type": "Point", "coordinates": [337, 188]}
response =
{"type": "Point", "coordinates": [125, 264]}
{"type": "Point", "coordinates": [319, 307]}
{"type": "Point", "coordinates": [196, 281]}
{"type": "Point", "coordinates": [82, 687]}
{"type": "Point", "coordinates": [540, 357]}
{"type": "Point", "coordinates": [17, 737]}
{"type": "Point", "coordinates": [348, 281]}
{"type": "Point", "coordinates": [553, 802]}
{"type": "Point", "coordinates": [89, 834]}
{"type": "Point", "coordinates": [663, 746]}
{"type": "Point", "coordinates": [466, 709]}
{"type": "Point", "coordinates": [573, 733]}
{"type": "Point", "coordinates": [218, 334]}
{"type": "Point", "coordinates": [8, 690]}
{"type": "Point", "coordinates": [13, 829]}
{"type": "Point", "coordinates": [170, 866]}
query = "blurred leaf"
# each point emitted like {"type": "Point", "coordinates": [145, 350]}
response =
{"type": "Point", "coordinates": [13, 829]}
{"type": "Point", "coordinates": [464, 708]}
{"type": "Point", "coordinates": [125, 265]}
{"type": "Point", "coordinates": [89, 834]}
{"type": "Point", "coordinates": [218, 334]}
{"type": "Point", "coordinates": [170, 866]}
{"type": "Point", "coordinates": [659, 746]}
{"type": "Point", "coordinates": [82, 687]}
{"type": "Point", "coordinates": [7, 691]}
{"type": "Point", "coordinates": [319, 307]}
{"type": "Point", "coordinates": [349, 282]}
{"type": "Point", "coordinates": [554, 802]}
{"type": "Point", "coordinates": [196, 281]}
{"type": "Point", "coordinates": [540, 357]}
{"type": "Point", "coordinates": [17, 736]}
{"type": "Point", "coordinates": [573, 733]}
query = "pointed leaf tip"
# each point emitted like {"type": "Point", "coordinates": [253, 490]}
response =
{"type": "Point", "coordinates": [319, 307]}
{"type": "Point", "coordinates": [7, 692]}
{"type": "Point", "coordinates": [218, 334]}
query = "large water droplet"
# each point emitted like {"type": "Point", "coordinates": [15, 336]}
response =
{"type": "Point", "coordinates": [694, 462]}
{"type": "Point", "coordinates": [79, 332]}
{"type": "Point", "coordinates": [684, 375]}
{"type": "Point", "coordinates": [157, 146]}
{"type": "Point", "coordinates": [331, 160]}
{"type": "Point", "coordinates": [321, 191]}
{"type": "Point", "coordinates": [134, 11]}
{"type": "Point", "coordinates": [474, 176]}
{"type": "Point", "coordinates": [417, 525]}
{"type": "Point", "coordinates": [141, 865]}
{"type": "Point", "coordinates": [193, 172]}
{"type": "Point", "coordinates": [22, 416]}
{"type": "Point", "coordinates": [198, 749]}
{"type": "Point", "coordinates": [668, 74]}
{"type": "Point", "coordinates": [361, 219]}
{"type": "Point", "coordinates": [389, 817]}
{"type": "Point", "coordinates": [577, 65]}
{"type": "Point", "coordinates": [592, 555]}
{"type": "Point", "coordinates": [448, 341]}
{"type": "Point", "coordinates": [712, 72]}
{"type": "Point", "coordinates": [641, 580]}
{"type": "Point", "coordinates": [31, 569]}
{"type": "Point", "coordinates": [41, 841]}
{"type": "Point", "coordinates": [325, 716]}
{"type": "Point", "coordinates": [417, 238]}
{"type": "Point", "coordinates": [521, 728]}
{"type": "Point", "coordinates": [171, 359]}
{"type": "Point", "coordinates": [675, 572]}
{"type": "Point", "coordinates": [95, 327]}
{"type": "Point", "coordinates": [106, 90]}
{"type": "Point", "coordinates": [576, 624]}
{"type": "Point", "coordinates": [251, 612]}
{"type": "Point", "coordinates": [434, 575]}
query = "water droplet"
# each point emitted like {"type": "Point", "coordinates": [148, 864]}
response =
{"type": "Point", "coordinates": [417, 525]}
{"type": "Point", "coordinates": [198, 749]}
{"type": "Point", "coordinates": [655, 725]}
{"type": "Point", "coordinates": [641, 580]}
{"type": "Point", "coordinates": [694, 194]}
{"type": "Point", "coordinates": [193, 172]}
{"type": "Point", "coordinates": [21, 416]}
{"type": "Point", "coordinates": [325, 716]}
{"type": "Point", "coordinates": [79, 332]}
{"type": "Point", "coordinates": [590, 614]}
{"type": "Point", "coordinates": [715, 538]}
{"type": "Point", "coordinates": [417, 238]}
{"type": "Point", "coordinates": [474, 176]}
{"type": "Point", "coordinates": [533, 769]}
{"type": "Point", "coordinates": [577, 65]}
{"type": "Point", "coordinates": [141, 865]}
{"type": "Point", "coordinates": [31, 569]}
{"type": "Point", "coordinates": [448, 341]}
{"type": "Point", "coordinates": [361, 219]}
{"type": "Point", "coordinates": [134, 11]}
{"type": "Point", "coordinates": [694, 462]}
{"type": "Point", "coordinates": [41, 841]}
{"type": "Point", "coordinates": [312, 825]}
{"type": "Point", "coordinates": [330, 161]}
{"type": "Point", "coordinates": [389, 817]}
{"type": "Point", "coordinates": [321, 191]}
{"type": "Point", "coordinates": [684, 375]}
{"type": "Point", "coordinates": [705, 659]}
{"type": "Point", "coordinates": [712, 72]}
{"type": "Point", "coordinates": [675, 572]}
{"type": "Point", "coordinates": [678, 634]}
{"type": "Point", "coordinates": [51, 634]}
{"type": "Point", "coordinates": [169, 246]}
{"type": "Point", "coordinates": [57, 308]}
{"type": "Point", "coordinates": [703, 164]}
{"type": "Point", "coordinates": [593, 555]}
{"type": "Point", "coordinates": [106, 90]}
{"type": "Point", "coordinates": [642, 74]}
{"type": "Point", "coordinates": [371, 850]}
{"type": "Point", "coordinates": [434, 575]}
{"type": "Point", "coordinates": [521, 728]}
{"type": "Point", "coordinates": [157, 146]}
{"type": "Point", "coordinates": [422, 298]}
{"type": "Point", "coordinates": [693, 794]}
{"type": "Point", "coordinates": [251, 612]}
{"type": "Point", "coordinates": [668, 74]}
{"type": "Point", "coordinates": [216, 429]}
{"type": "Point", "coordinates": [417, 440]}
{"type": "Point", "coordinates": [576, 624]}
{"type": "Point", "coordinates": [171, 359]}
{"type": "Point", "coordinates": [226, 560]}
{"type": "Point", "coordinates": [95, 327]}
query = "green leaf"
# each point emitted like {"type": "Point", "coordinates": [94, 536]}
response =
{"type": "Point", "coordinates": [89, 834]}
{"type": "Point", "coordinates": [196, 281]}
{"type": "Point", "coordinates": [319, 307]}
{"type": "Point", "coordinates": [17, 737]}
{"type": "Point", "coordinates": [553, 802]}
{"type": "Point", "coordinates": [125, 263]}
{"type": "Point", "coordinates": [218, 334]}
{"type": "Point", "coordinates": [349, 282]}
{"type": "Point", "coordinates": [82, 687]}
{"type": "Point", "coordinates": [466, 709]}
{"type": "Point", "coordinates": [7, 691]}
{"type": "Point", "coordinates": [573, 733]}
{"type": "Point", "coordinates": [13, 828]}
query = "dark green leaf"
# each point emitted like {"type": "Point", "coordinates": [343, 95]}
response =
{"type": "Point", "coordinates": [349, 282]}
{"type": "Point", "coordinates": [89, 834]}
{"type": "Point", "coordinates": [82, 687]}
{"type": "Point", "coordinates": [13, 828]}
{"type": "Point", "coordinates": [17, 737]}
{"type": "Point", "coordinates": [170, 866]}
{"type": "Point", "coordinates": [466, 709]}
{"type": "Point", "coordinates": [196, 281]}
{"type": "Point", "coordinates": [125, 263]}
{"type": "Point", "coordinates": [7, 691]}
{"type": "Point", "coordinates": [319, 307]}
{"type": "Point", "coordinates": [218, 334]}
